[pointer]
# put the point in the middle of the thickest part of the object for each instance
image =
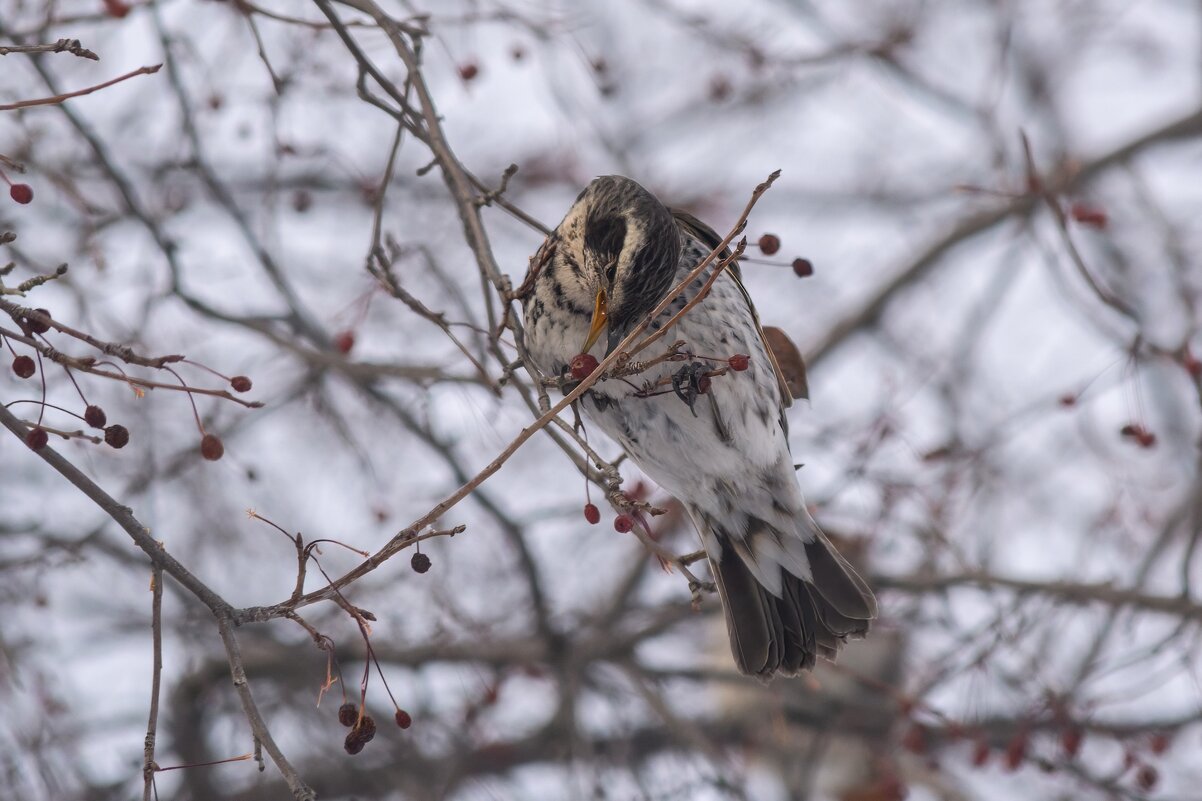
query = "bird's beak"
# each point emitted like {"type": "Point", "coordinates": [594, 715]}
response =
{"type": "Point", "coordinates": [600, 315]}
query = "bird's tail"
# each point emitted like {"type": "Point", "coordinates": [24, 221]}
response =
{"type": "Point", "coordinates": [783, 633]}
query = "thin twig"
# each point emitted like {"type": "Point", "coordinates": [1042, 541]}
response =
{"type": "Point", "coordinates": [156, 628]}
{"type": "Point", "coordinates": [56, 99]}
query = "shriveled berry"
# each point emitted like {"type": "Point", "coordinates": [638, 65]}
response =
{"type": "Point", "coordinates": [582, 365]}
{"type": "Point", "coordinates": [592, 514]}
{"type": "Point", "coordinates": [344, 341]}
{"type": "Point", "coordinates": [403, 719]}
{"type": "Point", "coordinates": [366, 728]}
{"type": "Point", "coordinates": [1159, 743]}
{"type": "Point", "coordinates": [211, 447]}
{"type": "Point", "coordinates": [1088, 215]}
{"type": "Point", "coordinates": [240, 383]}
{"type": "Point", "coordinates": [623, 524]}
{"type": "Point", "coordinates": [24, 367]}
{"type": "Point", "coordinates": [1147, 777]}
{"type": "Point", "coordinates": [116, 435]}
{"type": "Point", "coordinates": [95, 416]}
{"type": "Point", "coordinates": [703, 384]}
{"type": "Point", "coordinates": [769, 244]}
{"type": "Point", "coordinates": [802, 268]}
{"type": "Point", "coordinates": [37, 438]}
{"type": "Point", "coordinates": [38, 326]}
{"type": "Point", "coordinates": [353, 743]}
{"type": "Point", "coordinates": [469, 70]}
{"type": "Point", "coordinates": [739, 362]}
{"type": "Point", "coordinates": [420, 563]}
{"type": "Point", "coordinates": [22, 193]}
{"type": "Point", "coordinates": [348, 713]}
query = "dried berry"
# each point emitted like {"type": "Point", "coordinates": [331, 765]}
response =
{"type": "Point", "coordinates": [623, 524]}
{"type": "Point", "coordinates": [24, 367]}
{"type": "Point", "coordinates": [353, 743]}
{"type": "Point", "coordinates": [802, 268]}
{"type": "Point", "coordinates": [582, 366]}
{"type": "Point", "coordinates": [769, 244]}
{"type": "Point", "coordinates": [739, 362]}
{"type": "Point", "coordinates": [22, 193]}
{"type": "Point", "coordinates": [703, 384]}
{"type": "Point", "coordinates": [592, 514]}
{"type": "Point", "coordinates": [1159, 743]}
{"type": "Point", "coordinates": [1192, 364]}
{"type": "Point", "coordinates": [240, 383]}
{"type": "Point", "coordinates": [420, 562]}
{"type": "Point", "coordinates": [1147, 777]}
{"type": "Point", "coordinates": [348, 713]}
{"type": "Point", "coordinates": [37, 438]}
{"type": "Point", "coordinates": [403, 719]}
{"type": "Point", "coordinates": [469, 70]}
{"type": "Point", "coordinates": [211, 447]}
{"type": "Point", "coordinates": [1088, 215]}
{"type": "Point", "coordinates": [116, 435]}
{"type": "Point", "coordinates": [344, 341]}
{"type": "Point", "coordinates": [95, 417]}
{"type": "Point", "coordinates": [38, 326]}
{"type": "Point", "coordinates": [1068, 400]}
{"type": "Point", "coordinates": [366, 728]}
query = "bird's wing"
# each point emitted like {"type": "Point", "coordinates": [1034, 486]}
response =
{"type": "Point", "coordinates": [707, 235]}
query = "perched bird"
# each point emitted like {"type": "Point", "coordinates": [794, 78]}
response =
{"type": "Point", "coordinates": [718, 444]}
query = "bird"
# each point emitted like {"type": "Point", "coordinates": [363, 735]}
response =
{"type": "Point", "coordinates": [717, 441]}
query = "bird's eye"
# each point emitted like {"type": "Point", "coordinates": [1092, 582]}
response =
{"type": "Point", "coordinates": [611, 271]}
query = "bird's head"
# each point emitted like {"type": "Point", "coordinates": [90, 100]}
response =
{"type": "Point", "coordinates": [620, 247]}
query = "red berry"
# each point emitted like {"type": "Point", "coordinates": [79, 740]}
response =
{"type": "Point", "coordinates": [1192, 364]}
{"type": "Point", "coordinates": [420, 563]}
{"type": "Point", "coordinates": [623, 524]}
{"type": "Point", "coordinates": [769, 244]}
{"type": "Point", "coordinates": [739, 362]}
{"type": "Point", "coordinates": [1088, 215]}
{"type": "Point", "coordinates": [37, 438]}
{"type": "Point", "coordinates": [116, 435]}
{"type": "Point", "coordinates": [353, 744]}
{"type": "Point", "coordinates": [802, 268]}
{"type": "Point", "coordinates": [38, 326]}
{"type": "Point", "coordinates": [1147, 777]}
{"type": "Point", "coordinates": [1145, 438]}
{"type": "Point", "coordinates": [348, 713]}
{"type": "Point", "coordinates": [116, 8]}
{"type": "Point", "coordinates": [592, 514]}
{"type": "Point", "coordinates": [22, 193]}
{"type": "Point", "coordinates": [211, 447]}
{"type": "Point", "coordinates": [703, 384]}
{"type": "Point", "coordinates": [24, 367]}
{"type": "Point", "coordinates": [469, 70]}
{"type": "Point", "coordinates": [582, 366]}
{"type": "Point", "coordinates": [1159, 743]}
{"type": "Point", "coordinates": [980, 752]}
{"type": "Point", "coordinates": [344, 341]}
{"type": "Point", "coordinates": [1070, 741]}
{"type": "Point", "coordinates": [95, 417]}
{"type": "Point", "coordinates": [915, 739]}
{"type": "Point", "coordinates": [240, 383]}
{"type": "Point", "coordinates": [403, 719]}
{"type": "Point", "coordinates": [1068, 400]}
{"type": "Point", "coordinates": [1016, 750]}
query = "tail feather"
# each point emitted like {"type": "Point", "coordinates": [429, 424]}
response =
{"type": "Point", "coordinates": [783, 634]}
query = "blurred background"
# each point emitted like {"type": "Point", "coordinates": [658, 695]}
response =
{"type": "Point", "coordinates": [1003, 429]}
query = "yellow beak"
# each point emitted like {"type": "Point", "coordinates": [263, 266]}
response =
{"type": "Point", "coordinates": [600, 314]}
